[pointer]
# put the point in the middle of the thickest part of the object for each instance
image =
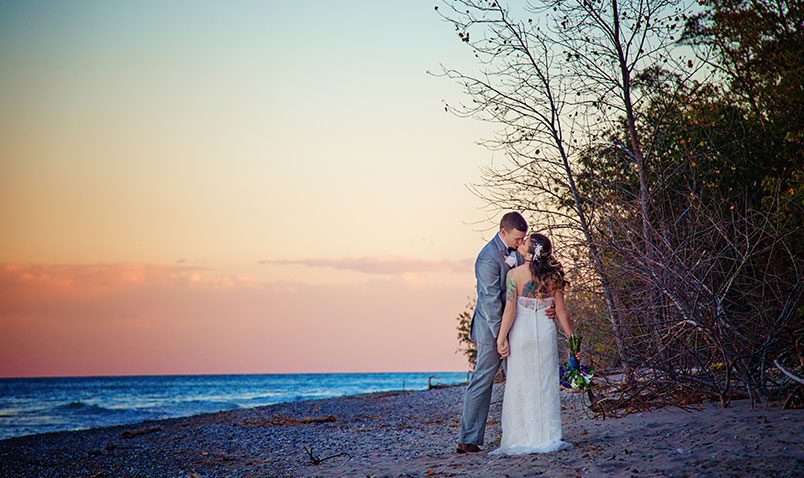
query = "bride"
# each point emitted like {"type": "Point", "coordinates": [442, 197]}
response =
{"type": "Point", "coordinates": [531, 410]}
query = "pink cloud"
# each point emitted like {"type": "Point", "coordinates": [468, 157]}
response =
{"type": "Point", "coordinates": [151, 319]}
{"type": "Point", "coordinates": [382, 265]}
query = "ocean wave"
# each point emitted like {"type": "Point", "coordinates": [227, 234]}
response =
{"type": "Point", "coordinates": [9, 412]}
{"type": "Point", "coordinates": [191, 407]}
{"type": "Point", "coordinates": [86, 408]}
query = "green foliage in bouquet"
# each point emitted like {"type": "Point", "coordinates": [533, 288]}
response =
{"type": "Point", "coordinates": [574, 343]}
{"type": "Point", "coordinates": [576, 380]}
{"type": "Point", "coordinates": [574, 376]}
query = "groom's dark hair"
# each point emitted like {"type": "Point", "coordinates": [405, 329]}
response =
{"type": "Point", "coordinates": [514, 220]}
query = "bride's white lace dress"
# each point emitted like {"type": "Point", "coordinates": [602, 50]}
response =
{"type": "Point", "coordinates": [531, 410]}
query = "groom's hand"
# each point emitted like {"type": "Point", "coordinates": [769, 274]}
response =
{"type": "Point", "coordinates": [551, 312]}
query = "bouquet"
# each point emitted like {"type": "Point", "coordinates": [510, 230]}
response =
{"type": "Point", "coordinates": [574, 343]}
{"type": "Point", "coordinates": [577, 380]}
{"type": "Point", "coordinates": [575, 376]}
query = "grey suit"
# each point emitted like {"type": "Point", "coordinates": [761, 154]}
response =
{"type": "Point", "coordinates": [490, 272]}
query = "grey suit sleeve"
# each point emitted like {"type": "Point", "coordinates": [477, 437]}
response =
{"type": "Point", "coordinates": [488, 288]}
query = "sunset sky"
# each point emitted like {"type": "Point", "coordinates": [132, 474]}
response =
{"type": "Point", "coordinates": [233, 187]}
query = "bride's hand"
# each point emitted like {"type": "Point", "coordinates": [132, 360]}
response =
{"type": "Point", "coordinates": [502, 346]}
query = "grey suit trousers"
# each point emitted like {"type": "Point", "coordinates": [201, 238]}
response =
{"type": "Point", "coordinates": [490, 272]}
{"type": "Point", "coordinates": [477, 397]}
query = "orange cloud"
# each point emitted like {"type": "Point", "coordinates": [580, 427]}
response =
{"type": "Point", "coordinates": [152, 319]}
{"type": "Point", "coordinates": [387, 265]}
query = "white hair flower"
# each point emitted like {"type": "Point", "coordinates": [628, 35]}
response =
{"type": "Point", "coordinates": [537, 251]}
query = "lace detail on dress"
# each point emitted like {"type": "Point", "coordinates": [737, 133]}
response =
{"type": "Point", "coordinates": [531, 409]}
{"type": "Point", "coordinates": [533, 303]}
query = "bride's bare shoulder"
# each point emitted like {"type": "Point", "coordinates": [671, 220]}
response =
{"type": "Point", "coordinates": [521, 274]}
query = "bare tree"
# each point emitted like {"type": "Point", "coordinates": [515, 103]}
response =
{"type": "Point", "coordinates": [732, 283]}
{"type": "Point", "coordinates": [554, 76]}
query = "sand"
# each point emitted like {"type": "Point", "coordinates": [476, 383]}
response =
{"type": "Point", "coordinates": [414, 434]}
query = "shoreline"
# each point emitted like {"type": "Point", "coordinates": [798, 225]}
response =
{"type": "Point", "coordinates": [31, 406]}
{"type": "Point", "coordinates": [136, 424]}
{"type": "Point", "coordinates": [413, 433]}
{"type": "Point", "coordinates": [141, 423]}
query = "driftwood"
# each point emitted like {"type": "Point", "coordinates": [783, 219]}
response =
{"type": "Point", "coordinates": [141, 431]}
{"type": "Point", "coordinates": [285, 421]}
{"type": "Point", "coordinates": [431, 385]}
{"type": "Point", "coordinates": [616, 399]}
{"type": "Point", "coordinates": [314, 460]}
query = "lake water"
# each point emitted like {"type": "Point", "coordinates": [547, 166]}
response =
{"type": "Point", "coordinates": [37, 405]}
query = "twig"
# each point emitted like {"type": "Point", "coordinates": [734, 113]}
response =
{"type": "Point", "coordinates": [317, 461]}
{"type": "Point", "coordinates": [142, 431]}
{"type": "Point", "coordinates": [789, 374]}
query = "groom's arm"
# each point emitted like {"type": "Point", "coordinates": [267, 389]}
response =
{"type": "Point", "coordinates": [488, 292]}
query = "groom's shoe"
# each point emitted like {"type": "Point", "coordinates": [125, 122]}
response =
{"type": "Point", "coordinates": [467, 448]}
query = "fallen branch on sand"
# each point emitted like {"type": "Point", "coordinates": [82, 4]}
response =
{"type": "Point", "coordinates": [317, 461]}
{"type": "Point", "coordinates": [285, 421]}
{"type": "Point", "coordinates": [141, 431]}
{"type": "Point", "coordinates": [618, 399]}
{"type": "Point", "coordinates": [431, 386]}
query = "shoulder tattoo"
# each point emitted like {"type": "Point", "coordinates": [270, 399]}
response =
{"type": "Point", "coordinates": [510, 290]}
{"type": "Point", "coordinates": [531, 289]}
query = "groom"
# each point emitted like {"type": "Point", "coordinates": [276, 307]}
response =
{"type": "Point", "coordinates": [493, 263]}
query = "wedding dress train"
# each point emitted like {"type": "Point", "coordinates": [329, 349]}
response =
{"type": "Point", "coordinates": [531, 410]}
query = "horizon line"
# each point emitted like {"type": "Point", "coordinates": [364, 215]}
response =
{"type": "Point", "coordinates": [223, 374]}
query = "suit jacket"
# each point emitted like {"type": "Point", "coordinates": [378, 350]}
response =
{"type": "Point", "coordinates": [490, 272]}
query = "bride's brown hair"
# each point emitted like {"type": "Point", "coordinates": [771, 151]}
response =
{"type": "Point", "coordinates": [546, 273]}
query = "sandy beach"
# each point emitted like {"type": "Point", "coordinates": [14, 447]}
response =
{"type": "Point", "coordinates": [413, 434]}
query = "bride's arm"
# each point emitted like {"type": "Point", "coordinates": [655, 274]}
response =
{"type": "Point", "coordinates": [561, 311]}
{"type": "Point", "coordinates": [509, 314]}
